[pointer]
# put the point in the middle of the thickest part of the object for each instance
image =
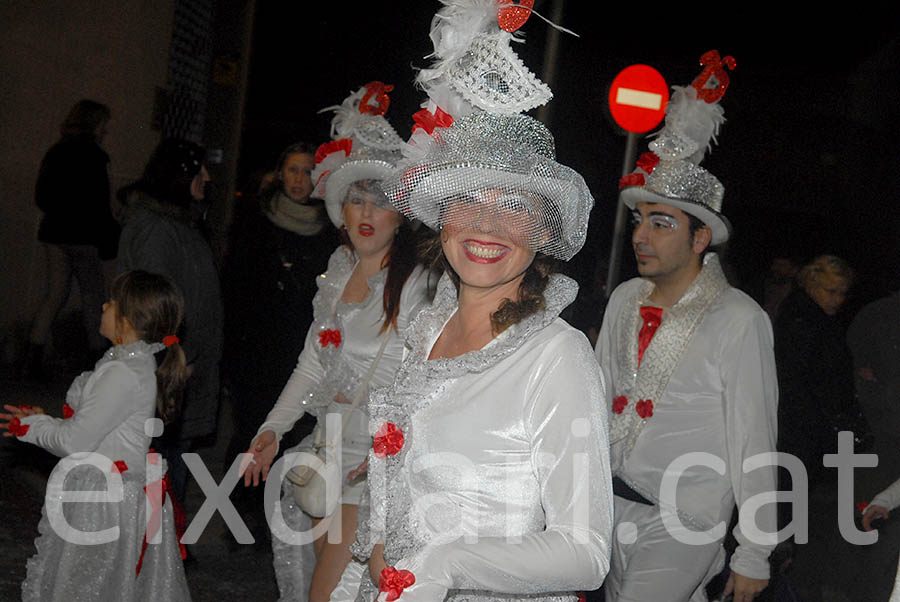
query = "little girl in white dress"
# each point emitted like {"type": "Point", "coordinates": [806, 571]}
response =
{"type": "Point", "coordinates": [96, 539]}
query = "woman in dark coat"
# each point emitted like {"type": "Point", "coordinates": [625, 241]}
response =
{"type": "Point", "coordinates": [78, 229]}
{"type": "Point", "coordinates": [280, 242]}
{"type": "Point", "coordinates": [815, 368]}
{"type": "Point", "coordinates": [158, 235]}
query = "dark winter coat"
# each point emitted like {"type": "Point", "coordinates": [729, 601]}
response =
{"type": "Point", "coordinates": [159, 237]}
{"type": "Point", "coordinates": [815, 379]}
{"type": "Point", "coordinates": [269, 282]}
{"type": "Point", "coordinates": [72, 190]}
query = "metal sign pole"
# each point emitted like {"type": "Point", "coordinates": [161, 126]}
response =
{"type": "Point", "coordinates": [618, 239]}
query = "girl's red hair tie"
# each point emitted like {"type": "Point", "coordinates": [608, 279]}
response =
{"type": "Point", "coordinates": [170, 340]}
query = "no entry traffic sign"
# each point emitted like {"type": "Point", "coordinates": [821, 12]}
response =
{"type": "Point", "coordinates": [637, 98]}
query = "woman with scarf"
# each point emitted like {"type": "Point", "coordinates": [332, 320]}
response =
{"type": "Point", "coordinates": [279, 244]}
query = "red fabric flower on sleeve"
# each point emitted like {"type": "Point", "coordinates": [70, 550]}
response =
{"type": "Point", "coordinates": [648, 162]}
{"type": "Point", "coordinates": [619, 403]}
{"type": "Point", "coordinates": [632, 179]}
{"type": "Point", "coordinates": [68, 412]}
{"type": "Point", "coordinates": [860, 506]}
{"type": "Point", "coordinates": [119, 466]}
{"type": "Point", "coordinates": [644, 408]}
{"type": "Point", "coordinates": [17, 428]}
{"type": "Point", "coordinates": [329, 336]}
{"type": "Point", "coordinates": [394, 582]}
{"type": "Point", "coordinates": [388, 440]}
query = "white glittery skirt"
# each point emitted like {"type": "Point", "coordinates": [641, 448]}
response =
{"type": "Point", "coordinates": [73, 571]}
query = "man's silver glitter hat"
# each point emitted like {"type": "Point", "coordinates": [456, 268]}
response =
{"type": "Point", "coordinates": [671, 173]}
{"type": "Point", "coordinates": [473, 160]}
{"type": "Point", "coordinates": [364, 146]}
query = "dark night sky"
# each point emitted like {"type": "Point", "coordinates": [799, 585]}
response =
{"type": "Point", "coordinates": [801, 175]}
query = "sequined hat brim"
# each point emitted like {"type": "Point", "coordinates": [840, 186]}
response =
{"type": "Point", "coordinates": [435, 184]}
{"type": "Point", "coordinates": [718, 224]}
{"type": "Point", "coordinates": [339, 181]}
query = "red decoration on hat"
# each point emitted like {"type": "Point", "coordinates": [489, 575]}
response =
{"type": "Point", "coordinates": [648, 162]}
{"type": "Point", "coordinates": [619, 403]}
{"type": "Point", "coordinates": [644, 408]}
{"type": "Point", "coordinates": [632, 179]}
{"type": "Point", "coordinates": [375, 92]}
{"type": "Point", "coordinates": [714, 68]}
{"type": "Point", "coordinates": [17, 429]}
{"type": "Point", "coordinates": [334, 146]}
{"type": "Point", "coordinates": [330, 336]}
{"type": "Point", "coordinates": [426, 120]}
{"type": "Point", "coordinates": [394, 582]}
{"type": "Point", "coordinates": [68, 412]}
{"type": "Point", "coordinates": [512, 15]}
{"type": "Point", "coordinates": [388, 440]}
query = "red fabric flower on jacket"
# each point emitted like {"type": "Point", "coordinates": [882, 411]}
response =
{"type": "Point", "coordinates": [330, 336]}
{"type": "Point", "coordinates": [388, 440]}
{"type": "Point", "coordinates": [648, 162]}
{"type": "Point", "coordinates": [632, 179]}
{"type": "Point", "coordinates": [644, 408]}
{"type": "Point", "coordinates": [619, 403]}
{"type": "Point", "coordinates": [68, 412]}
{"type": "Point", "coordinates": [17, 428]}
{"type": "Point", "coordinates": [394, 582]}
{"type": "Point", "coordinates": [119, 466]}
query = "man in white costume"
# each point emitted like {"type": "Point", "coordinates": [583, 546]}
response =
{"type": "Point", "coordinates": [691, 374]}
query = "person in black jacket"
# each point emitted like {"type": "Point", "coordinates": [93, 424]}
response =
{"type": "Point", "coordinates": [280, 242]}
{"type": "Point", "coordinates": [816, 390]}
{"type": "Point", "coordinates": [160, 236]}
{"type": "Point", "coordinates": [78, 229]}
{"type": "Point", "coordinates": [815, 368]}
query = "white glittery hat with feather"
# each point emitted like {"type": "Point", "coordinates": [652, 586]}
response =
{"type": "Point", "coordinates": [670, 173]}
{"type": "Point", "coordinates": [364, 146]}
{"type": "Point", "coordinates": [474, 159]}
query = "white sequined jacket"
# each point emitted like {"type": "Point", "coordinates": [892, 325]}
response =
{"type": "Point", "coordinates": [329, 365]}
{"type": "Point", "coordinates": [501, 489]}
{"type": "Point", "coordinates": [720, 398]}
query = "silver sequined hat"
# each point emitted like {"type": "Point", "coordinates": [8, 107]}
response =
{"type": "Point", "coordinates": [503, 167]}
{"type": "Point", "coordinates": [364, 147]}
{"type": "Point", "coordinates": [474, 160]}
{"type": "Point", "coordinates": [670, 173]}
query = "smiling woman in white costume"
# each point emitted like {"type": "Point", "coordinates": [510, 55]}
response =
{"type": "Point", "coordinates": [489, 472]}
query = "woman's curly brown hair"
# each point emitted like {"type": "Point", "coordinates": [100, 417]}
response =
{"type": "Point", "coordinates": [531, 289]}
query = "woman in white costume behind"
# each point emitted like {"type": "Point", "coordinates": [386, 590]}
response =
{"type": "Point", "coordinates": [372, 288]}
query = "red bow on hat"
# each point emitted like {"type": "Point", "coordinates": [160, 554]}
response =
{"type": "Point", "coordinates": [375, 92]}
{"type": "Point", "coordinates": [426, 120]}
{"type": "Point", "coordinates": [344, 144]}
